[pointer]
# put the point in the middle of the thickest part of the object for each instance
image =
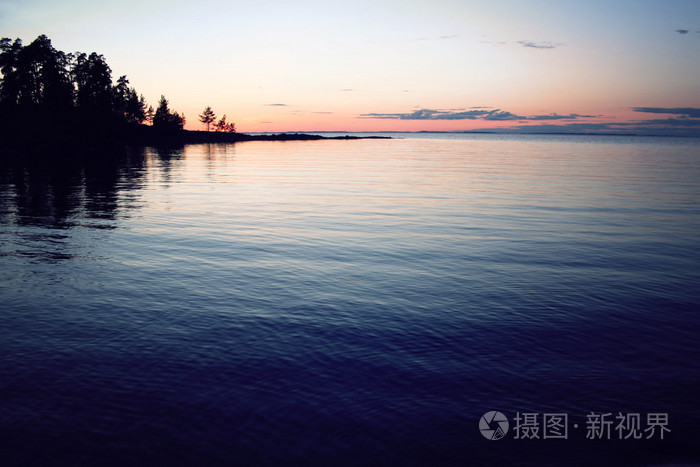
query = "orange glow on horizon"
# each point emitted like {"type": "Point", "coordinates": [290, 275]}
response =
{"type": "Point", "coordinates": [351, 123]}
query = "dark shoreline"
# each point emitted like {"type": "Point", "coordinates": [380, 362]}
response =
{"type": "Point", "coordinates": [145, 136]}
{"type": "Point", "coordinates": [194, 137]}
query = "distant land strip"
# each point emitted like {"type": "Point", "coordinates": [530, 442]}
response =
{"type": "Point", "coordinates": [145, 136]}
{"type": "Point", "coordinates": [192, 137]}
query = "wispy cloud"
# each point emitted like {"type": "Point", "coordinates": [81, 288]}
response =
{"type": "Point", "coordinates": [446, 36]}
{"type": "Point", "coordinates": [495, 43]}
{"type": "Point", "coordinates": [566, 128]}
{"type": "Point", "coordinates": [539, 45]}
{"type": "Point", "coordinates": [671, 122]}
{"type": "Point", "coordinates": [682, 31]}
{"type": "Point", "coordinates": [685, 121]}
{"type": "Point", "coordinates": [476, 113]}
{"type": "Point", "coordinates": [429, 114]}
{"type": "Point", "coordinates": [650, 127]}
{"type": "Point", "coordinates": [276, 105]}
{"type": "Point", "coordinates": [555, 116]}
{"type": "Point", "coordinates": [502, 115]}
{"type": "Point", "coordinates": [348, 90]}
{"type": "Point", "coordinates": [681, 121]}
{"type": "Point", "coordinates": [688, 112]}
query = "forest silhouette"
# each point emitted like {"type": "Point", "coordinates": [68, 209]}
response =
{"type": "Point", "coordinates": [48, 96]}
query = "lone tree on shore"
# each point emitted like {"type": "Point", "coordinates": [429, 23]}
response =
{"type": "Point", "coordinates": [207, 117]}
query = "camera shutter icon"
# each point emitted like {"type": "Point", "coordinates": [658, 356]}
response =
{"type": "Point", "coordinates": [493, 425]}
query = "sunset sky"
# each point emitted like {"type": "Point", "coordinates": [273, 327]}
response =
{"type": "Point", "coordinates": [373, 65]}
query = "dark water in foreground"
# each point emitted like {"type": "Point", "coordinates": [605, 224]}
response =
{"type": "Point", "coordinates": [350, 302]}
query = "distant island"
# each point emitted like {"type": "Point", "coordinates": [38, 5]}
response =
{"type": "Point", "coordinates": [194, 137]}
{"type": "Point", "coordinates": [50, 97]}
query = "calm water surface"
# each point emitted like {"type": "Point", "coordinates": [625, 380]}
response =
{"type": "Point", "coordinates": [349, 302]}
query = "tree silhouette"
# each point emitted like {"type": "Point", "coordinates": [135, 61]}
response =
{"type": "Point", "coordinates": [132, 107]}
{"type": "Point", "coordinates": [162, 115]}
{"type": "Point", "coordinates": [149, 114]}
{"type": "Point", "coordinates": [120, 96]}
{"type": "Point", "coordinates": [207, 117]}
{"type": "Point", "coordinates": [35, 75]}
{"type": "Point", "coordinates": [54, 89]}
{"type": "Point", "coordinates": [135, 108]}
{"type": "Point", "coordinates": [41, 83]}
{"type": "Point", "coordinates": [221, 124]}
{"type": "Point", "coordinates": [9, 65]}
{"type": "Point", "coordinates": [93, 78]}
{"type": "Point", "coordinates": [225, 127]}
{"type": "Point", "coordinates": [126, 104]}
{"type": "Point", "coordinates": [35, 87]}
{"type": "Point", "coordinates": [71, 97]}
{"type": "Point", "coordinates": [166, 121]}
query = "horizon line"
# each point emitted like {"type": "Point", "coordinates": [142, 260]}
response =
{"type": "Point", "coordinates": [482, 132]}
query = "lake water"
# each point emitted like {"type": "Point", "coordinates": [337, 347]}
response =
{"type": "Point", "coordinates": [351, 302]}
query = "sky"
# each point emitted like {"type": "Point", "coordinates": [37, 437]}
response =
{"type": "Point", "coordinates": [622, 66]}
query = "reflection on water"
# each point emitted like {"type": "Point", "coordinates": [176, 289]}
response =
{"type": "Point", "coordinates": [48, 199]}
{"type": "Point", "coordinates": [357, 302]}
{"type": "Point", "coordinates": [67, 190]}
